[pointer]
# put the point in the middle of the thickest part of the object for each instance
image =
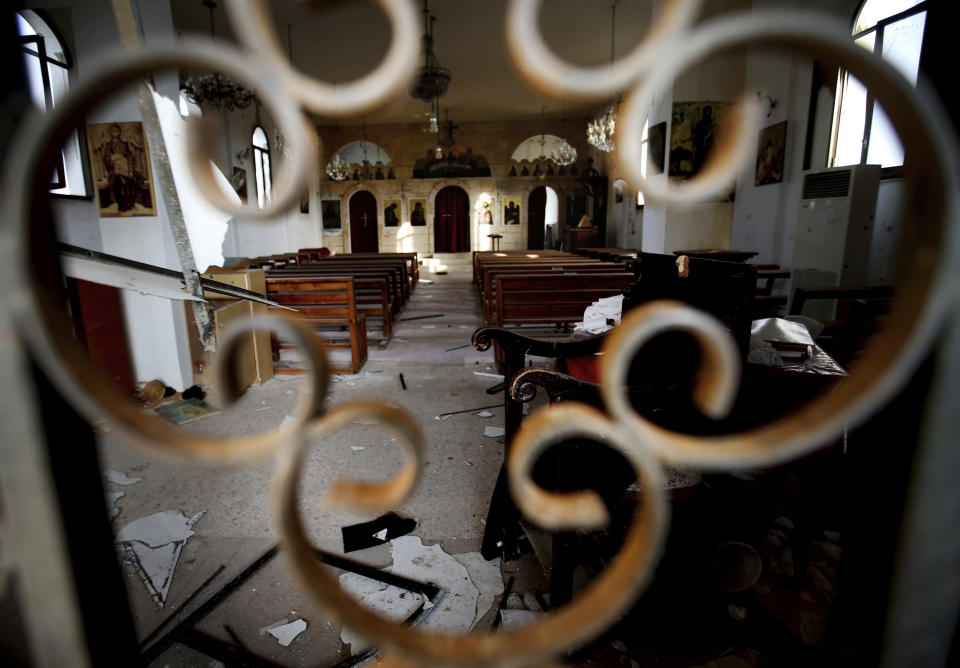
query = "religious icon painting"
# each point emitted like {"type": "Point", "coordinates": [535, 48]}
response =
{"type": "Point", "coordinates": [120, 165]}
{"type": "Point", "coordinates": [692, 135]}
{"type": "Point", "coordinates": [330, 214]}
{"type": "Point", "coordinates": [511, 211]}
{"type": "Point", "coordinates": [770, 152]}
{"type": "Point", "coordinates": [418, 212]}
{"type": "Point", "coordinates": [391, 213]}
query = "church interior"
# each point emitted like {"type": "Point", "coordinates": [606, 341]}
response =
{"type": "Point", "coordinates": [503, 333]}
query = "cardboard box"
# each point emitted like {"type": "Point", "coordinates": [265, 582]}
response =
{"type": "Point", "coordinates": [254, 358]}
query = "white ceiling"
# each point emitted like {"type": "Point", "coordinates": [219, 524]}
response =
{"type": "Point", "coordinates": [339, 40]}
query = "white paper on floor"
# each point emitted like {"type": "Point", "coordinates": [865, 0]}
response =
{"type": "Point", "coordinates": [391, 602]}
{"type": "Point", "coordinates": [488, 375]}
{"type": "Point", "coordinates": [487, 579]}
{"type": "Point", "coordinates": [484, 414]}
{"type": "Point", "coordinates": [119, 477]}
{"type": "Point", "coordinates": [287, 420]}
{"type": "Point", "coordinates": [112, 510]}
{"type": "Point", "coordinates": [516, 618]}
{"type": "Point", "coordinates": [357, 448]}
{"type": "Point", "coordinates": [287, 632]}
{"type": "Point", "coordinates": [493, 432]}
{"type": "Point", "coordinates": [412, 559]}
{"type": "Point", "coordinates": [153, 543]}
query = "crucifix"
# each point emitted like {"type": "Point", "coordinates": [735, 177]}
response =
{"type": "Point", "coordinates": [363, 217]}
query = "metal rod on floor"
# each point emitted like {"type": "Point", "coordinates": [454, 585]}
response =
{"type": "Point", "coordinates": [182, 606]}
{"type": "Point", "coordinates": [422, 317]}
{"type": "Point", "coordinates": [467, 410]}
{"type": "Point", "coordinates": [184, 627]}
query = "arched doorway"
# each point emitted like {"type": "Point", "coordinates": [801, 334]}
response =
{"type": "Point", "coordinates": [451, 221]}
{"type": "Point", "coordinates": [363, 223]}
{"type": "Point", "coordinates": [542, 214]}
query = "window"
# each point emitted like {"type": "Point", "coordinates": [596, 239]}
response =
{"type": "Point", "coordinates": [261, 166]}
{"type": "Point", "coordinates": [862, 131]}
{"type": "Point", "coordinates": [46, 66]}
{"type": "Point", "coordinates": [644, 143]}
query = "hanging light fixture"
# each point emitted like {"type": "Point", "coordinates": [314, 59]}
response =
{"type": "Point", "coordinates": [337, 169]}
{"type": "Point", "coordinates": [564, 154]}
{"type": "Point", "coordinates": [216, 92]}
{"type": "Point", "coordinates": [431, 80]}
{"type": "Point", "coordinates": [601, 129]}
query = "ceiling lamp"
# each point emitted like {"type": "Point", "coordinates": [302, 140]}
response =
{"type": "Point", "coordinates": [216, 92]}
{"type": "Point", "coordinates": [601, 129]}
{"type": "Point", "coordinates": [431, 80]}
{"type": "Point", "coordinates": [564, 154]}
{"type": "Point", "coordinates": [337, 169]}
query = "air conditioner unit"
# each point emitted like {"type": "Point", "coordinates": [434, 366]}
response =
{"type": "Point", "coordinates": [834, 229]}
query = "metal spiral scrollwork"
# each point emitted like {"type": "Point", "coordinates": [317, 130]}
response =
{"type": "Point", "coordinates": [929, 291]}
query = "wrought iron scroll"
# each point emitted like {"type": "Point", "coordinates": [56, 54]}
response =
{"type": "Point", "coordinates": [920, 307]}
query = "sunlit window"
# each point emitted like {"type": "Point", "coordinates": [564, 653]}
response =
{"type": "Point", "coordinates": [862, 131]}
{"type": "Point", "coordinates": [261, 166]}
{"type": "Point", "coordinates": [46, 66]}
{"type": "Point", "coordinates": [644, 143]}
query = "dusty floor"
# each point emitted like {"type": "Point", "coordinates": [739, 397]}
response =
{"type": "Point", "coordinates": [449, 505]}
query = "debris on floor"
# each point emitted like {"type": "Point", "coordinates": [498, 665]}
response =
{"type": "Point", "coordinates": [357, 448]}
{"type": "Point", "coordinates": [493, 432]}
{"type": "Point", "coordinates": [119, 477]}
{"type": "Point", "coordinates": [153, 544]}
{"type": "Point", "coordinates": [112, 497]}
{"type": "Point", "coordinates": [467, 580]}
{"type": "Point", "coordinates": [287, 421]}
{"type": "Point", "coordinates": [488, 375]}
{"type": "Point", "coordinates": [389, 601]}
{"type": "Point", "coordinates": [512, 619]}
{"type": "Point", "coordinates": [366, 421]}
{"type": "Point", "coordinates": [376, 532]}
{"type": "Point", "coordinates": [285, 633]}
{"type": "Point", "coordinates": [185, 411]}
{"type": "Point", "coordinates": [484, 414]}
{"type": "Point", "coordinates": [193, 392]}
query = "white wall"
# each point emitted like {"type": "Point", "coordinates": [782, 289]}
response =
{"type": "Point", "coordinates": [156, 328]}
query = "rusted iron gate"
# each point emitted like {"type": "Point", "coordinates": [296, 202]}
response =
{"type": "Point", "coordinates": [47, 378]}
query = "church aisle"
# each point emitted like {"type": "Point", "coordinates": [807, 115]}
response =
{"type": "Point", "coordinates": [449, 504]}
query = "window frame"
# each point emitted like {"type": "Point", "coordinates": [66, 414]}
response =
{"type": "Point", "coordinates": [262, 180]}
{"type": "Point", "coordinates": [895, 171]}
{"type": "Point", "coordinates": [59, 180]}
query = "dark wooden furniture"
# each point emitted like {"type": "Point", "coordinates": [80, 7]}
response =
{"type": "Point", "coordinates": [329, 305]}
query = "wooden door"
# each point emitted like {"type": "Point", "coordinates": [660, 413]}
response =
{"type": "Point", "coordinates": [364, 233]}
{"type": "Point", "coordinates": [451, 221]}
{"type": "Point", "coordinates": [536, 210]}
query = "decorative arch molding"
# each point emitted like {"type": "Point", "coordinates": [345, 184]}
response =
{"type": "Point", "coordinates": [557, 188]}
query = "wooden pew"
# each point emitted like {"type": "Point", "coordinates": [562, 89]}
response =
{"type": "Point", "coordinates": [550, 300]}
{"type": "Point", "coordinates": [329, 305]}
{"type": "Point", "coordinates": [396, 294]}
{"type": "Point", "coordinates": [491, 272]}
{"type": "Point", "coordinates": [486, 263]}
{"type": "Point", "coordinates": [480, 256]}
{"type": "Point", "coordinates": [413, 267]}
{"type": "Point", "coordinates": [372, 293]}
{"type": "Point", "coordinates": [346, 263]}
